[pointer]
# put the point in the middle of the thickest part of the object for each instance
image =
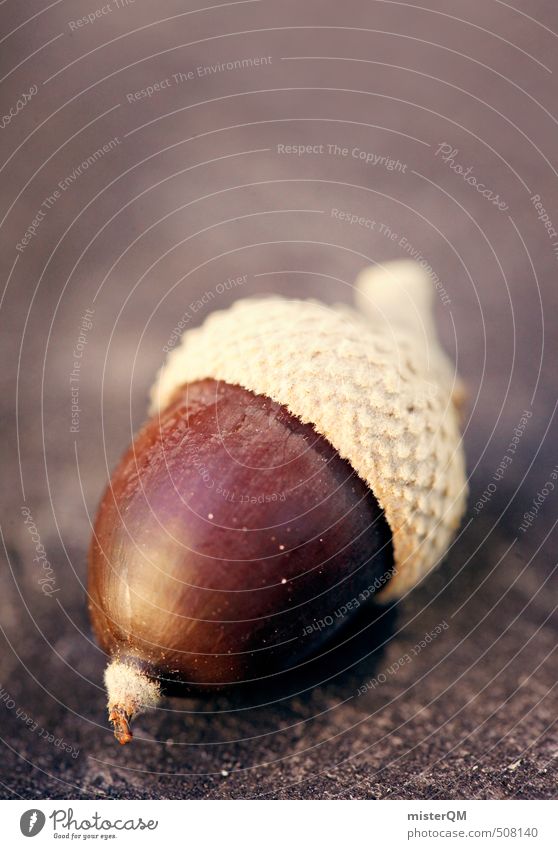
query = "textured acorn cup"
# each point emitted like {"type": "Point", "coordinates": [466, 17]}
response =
{"type": "Point", "coordinates": [228, 528]}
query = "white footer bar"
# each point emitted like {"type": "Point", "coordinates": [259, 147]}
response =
{"type": "Point", "coordinates": [280, 825]}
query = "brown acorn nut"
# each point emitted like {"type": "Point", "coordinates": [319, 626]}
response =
{"type": "Point", "coordinates": [228, 528]}
{"type": "Point", "coordinates": [297, 455]}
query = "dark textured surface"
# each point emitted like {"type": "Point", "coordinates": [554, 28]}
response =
{"type": "Point", "coordinates": [201, 195]}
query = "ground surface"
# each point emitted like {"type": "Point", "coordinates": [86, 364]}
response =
{"type": "Point", "coordinates": [203, 194]}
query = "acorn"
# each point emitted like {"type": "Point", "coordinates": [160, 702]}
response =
{"type": "Point", "coordinates": [298, 456]}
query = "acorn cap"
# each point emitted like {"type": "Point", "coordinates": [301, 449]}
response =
{"type": "Point", "coordinates": [373, 381]}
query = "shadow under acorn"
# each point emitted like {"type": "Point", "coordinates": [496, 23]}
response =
{"type": "Point", "coordinates": [345, 660]}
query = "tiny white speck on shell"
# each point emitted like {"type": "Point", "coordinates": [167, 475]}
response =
{"type": "Point", "coordinates": [364, 380]}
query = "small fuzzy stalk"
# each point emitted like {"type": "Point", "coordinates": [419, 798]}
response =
{"type": "Point", "coordinates": [130, 692]}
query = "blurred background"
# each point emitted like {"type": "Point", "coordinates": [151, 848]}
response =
{"type": "Point", "coordinates": [151, 152]}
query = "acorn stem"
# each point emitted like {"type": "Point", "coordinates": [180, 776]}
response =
{"type": "Point", "coordinates": [130, 691]}
{"type": "Point", "coordinates": [120, 720]}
